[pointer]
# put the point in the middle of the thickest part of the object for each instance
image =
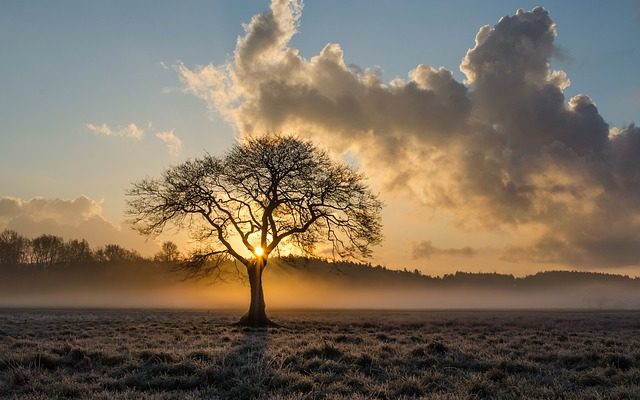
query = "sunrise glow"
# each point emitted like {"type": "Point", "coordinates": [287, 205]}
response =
{"type": "Point", "coordinates": [259, 251]}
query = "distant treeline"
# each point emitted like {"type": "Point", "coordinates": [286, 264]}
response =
{"type": "Point", "coordinates": [46, 251]}
{"type": "Point", "coordinates": [366, 273]}
{"type": "Point", "coordinates": [49, 250]}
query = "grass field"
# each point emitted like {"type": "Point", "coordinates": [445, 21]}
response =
{"type": "Point", "coordinates": [318, 355]}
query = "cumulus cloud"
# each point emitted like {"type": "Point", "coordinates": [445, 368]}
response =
{"type": "Point", "coordinates": [502, 150]}
{"type": "Point", "coordinates": [71, 219]}
{"type": "Point", "coordinates": [171, 140]}
{"type": "Point", "coordinates": [130, 130]}
{"type": "Point", "coordinates": [424, 249]}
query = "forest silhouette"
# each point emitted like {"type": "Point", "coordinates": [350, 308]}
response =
{"type": "Point", "coordinates": [50, 271]}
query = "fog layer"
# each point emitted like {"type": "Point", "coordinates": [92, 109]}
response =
{"type": "Point", "coordinates": [310, 284]}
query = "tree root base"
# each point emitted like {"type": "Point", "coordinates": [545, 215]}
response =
{"type": "Point", "coordinates": [259, 323]}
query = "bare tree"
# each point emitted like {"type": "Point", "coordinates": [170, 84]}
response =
{"type": "Point", "coordinates": [111, 253]}
{"type": "Point", "coordinates": [77, 251]}
{"type": "Point", "coordinates": [13, 248]}
{"type": "Point", "coordinates": [168, 253]}
{"type": "Point", "coordinates": [47, 250]}
{"type": "Point", "coordinates": [263, 193]}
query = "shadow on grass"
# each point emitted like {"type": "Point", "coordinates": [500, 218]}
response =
{"type": "Point", "coordinates": [245, 370]}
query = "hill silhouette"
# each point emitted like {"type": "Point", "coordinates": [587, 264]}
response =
{"type": "Point", "coordinates": [366, 274]}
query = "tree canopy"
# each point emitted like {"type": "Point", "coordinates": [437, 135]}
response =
{"type": "Point", "coordinates": [263, 193]}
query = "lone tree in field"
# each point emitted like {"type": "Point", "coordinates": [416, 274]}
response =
{"type": "Point", "coordinates": [264, 193]}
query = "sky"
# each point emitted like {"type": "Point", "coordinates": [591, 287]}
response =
{"type": "Point", "coordinates": [486, 158]}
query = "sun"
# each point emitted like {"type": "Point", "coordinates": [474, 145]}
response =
{"type": "Point", "coordinates": [259, 251]}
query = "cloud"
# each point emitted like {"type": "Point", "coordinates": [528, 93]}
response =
{"type": "Point", "coordinates": [71, 211]}
{"type": "Point", "coordinates": [130, 130]}
{"type": "Point", "coordinates": [102, 129]}
{"type": "Point", "coordinates": [503, 150]}
{"type": "Point", "coordinates": [168, 137]}
{"type": "Point", "coordinates": [424, 249]}
{"type": "Point", "coordinates": [171, 140]}
{"type": "Point", "coordinates": [72, 219]}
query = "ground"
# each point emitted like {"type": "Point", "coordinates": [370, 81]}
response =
{"type": "Point", "coordinates": [320, 355]}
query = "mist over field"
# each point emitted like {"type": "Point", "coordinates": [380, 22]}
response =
{"type": "Point", "coordinates": [308, 284]}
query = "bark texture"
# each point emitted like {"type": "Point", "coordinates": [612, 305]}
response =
{"type": "Point", "coordinates": [256, 316]}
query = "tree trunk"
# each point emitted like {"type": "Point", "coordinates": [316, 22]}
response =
{"type": "Point", "coordinates": [256, 316]}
